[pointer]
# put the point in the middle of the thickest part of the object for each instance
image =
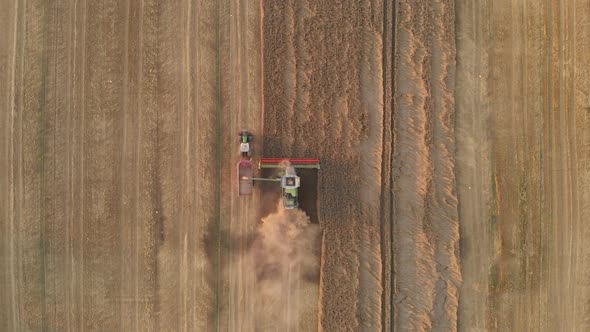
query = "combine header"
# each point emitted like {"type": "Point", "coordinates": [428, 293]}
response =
{"type": "Point", "coordinates": [294, 162]}
{"type": "Point", "coordinates": [290, 181]}
{"type": "Point", "coordinates": [288, 177]}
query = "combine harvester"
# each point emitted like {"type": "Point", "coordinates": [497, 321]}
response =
{"type": "Point", "coordinates": [290, 181]}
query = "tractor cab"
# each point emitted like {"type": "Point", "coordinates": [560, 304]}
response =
{"type": "Point", "coordinates": [290, 182]}
{"type": "Point", "coordinates": [245, 139]}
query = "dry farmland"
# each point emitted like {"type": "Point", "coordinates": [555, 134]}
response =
{"type": "Point", "coordinates": [454, 139]}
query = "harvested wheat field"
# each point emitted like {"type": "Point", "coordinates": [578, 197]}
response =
{"type": "Point", "coordinates": [453, 138]}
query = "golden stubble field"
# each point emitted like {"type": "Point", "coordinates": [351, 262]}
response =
{"type": "Point", "coordinates": [453, 192]}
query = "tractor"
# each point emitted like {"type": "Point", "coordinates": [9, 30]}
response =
{"type": "Point", "coordinates": [245, 139]}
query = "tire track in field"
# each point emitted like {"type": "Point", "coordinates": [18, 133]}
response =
{"type": "Point", "coordinates": [533, 21]}
{"type": "Point", "coordinates": [386, 204]}
{"type": "Point", "coordinates": [226, 110]}
{"type": "Point", "coordinates": [9, 299]}
{"type": "Point", "coordinates": [42, 131]}
{"type": "Point", "coordinates": [231, 76]}
{"type": "Point", "coordinates": [18, 162]}
{"type": "Point", "coordinates": [553, 110]}
{"type": "Point", "coordinates": [81, 162]}
{"type": "Point", "coordinates": [567, 167]}
{"type": "Point", "coordinates": [127, 318]}
{"type": "Point", "coordinates": [546, 209]}
{"type": "Point", "coordinates": [525, 132]}
{"type": "Point", "coordinates": [580, 43]}
{"type": "Point", "coordinates": [238, 219]}
{"type": "Point", "coordinates": [219, 158]}
{"type": "Point", "coordinates": [564, 180]}
{"type": "Point", "coordinates": [561, 166]}
{"type": "Point", "coordinates": [572, 162]}
{"type": "Point", "coordinates": [7, 63]}
{"type": "Point", "coordinates": [252, 50]}
{"type": "Point", "coordinates": [548, 185]}
{"type": "Point", "coordinates": [56, 155]}
{"type": "Point", "coordinates": [185, 177]}
{"type": "Point", "coordinates": [48, 158]}
{"type": "Point", "coordinates": [68, 168]}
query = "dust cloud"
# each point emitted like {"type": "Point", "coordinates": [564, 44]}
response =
{"type": "Point", "coordinates": [286, 258]}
